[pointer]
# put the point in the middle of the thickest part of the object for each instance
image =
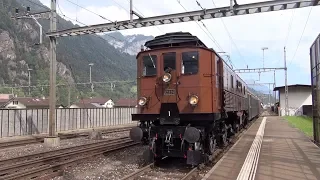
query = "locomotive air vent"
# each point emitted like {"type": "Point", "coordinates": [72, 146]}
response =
{"type": "Point", "coordinates": [174, 39]}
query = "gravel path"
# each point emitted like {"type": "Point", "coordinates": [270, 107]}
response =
{"type": "Point", "coordinates": [111, 166]}
{"type": "Point", "coordinates": [39, 147]}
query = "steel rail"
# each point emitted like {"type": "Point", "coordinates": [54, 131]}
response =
{"type": "Point", "coordinates": [19, 159]}
{"type": "Point", "coordinates": [44, 160]}
{"type": "Point", "coordinates": [138, 172]}
{"type": "Point", "coordinates": [35, 140]}
{"type": "Point", "coordinates": [53, 165]}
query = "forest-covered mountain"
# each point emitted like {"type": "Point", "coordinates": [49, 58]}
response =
{"type": "Point", "coordinates": [18, 52]}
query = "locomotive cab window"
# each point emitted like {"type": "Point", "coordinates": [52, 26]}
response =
{"type": "Point", "coordinates": [149, 65]}
{"type": "Point", "coordinates": [190, 62]}
{"type": "Point", "coordinates": [169, 61]}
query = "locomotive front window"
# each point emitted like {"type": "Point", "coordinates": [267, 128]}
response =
{"type": "Point", "coordinates": [150, 65]}
{"type": "Point", "coordinates": [169, 61]}
{"type": "Point", "coordinates": [190, 62]}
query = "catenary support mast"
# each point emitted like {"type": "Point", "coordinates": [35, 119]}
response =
{"type": "Point", "coordinates": [53, 67]}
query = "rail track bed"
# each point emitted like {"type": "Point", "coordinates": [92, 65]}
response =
{"type": "Point", "coordinates": [49, 164]}
{"type": "Point", "coordinates": [166, 170]}
{"type": "Point", "coordinates": [17, 143]}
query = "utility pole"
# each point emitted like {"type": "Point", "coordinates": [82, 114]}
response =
{"type": "Point", "coordinates": [69, 96]}
{"type": "Point", "coordinates": [112, 86]}
{"type": "Point", "coordinates": [274, 86]}
{"type": "Point", "coordinates": [286, 84]}
{"type": "Point", "coordinates": [53, 66]}
{"type": "Point", "coordinates": [132, 12]}
{"type": "Point", "coordinates": [264, 48]}
{"type": "Point", "coordinates": [29, 80]}
{"type": "Point", "coordinates": [92, 90]}
{"type": "Point", "coordinates": [269, 95]}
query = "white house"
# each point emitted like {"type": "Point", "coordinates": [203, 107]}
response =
{"type": "Point", "coordinates": [299, 99]}
{"type": "Point", "coordinates": [26, 103]}
{"type": "Point", "coordinates": [94, 103]}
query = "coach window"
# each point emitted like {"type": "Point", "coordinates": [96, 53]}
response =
{"type": "Point", "coordinates": [149, 65]}
{"type": "Point", "coordinates": [169, 61]}
{"type": "Point", "coordinates": [244, 90]}
{"type": "Point", "coordinates": [190, 62]}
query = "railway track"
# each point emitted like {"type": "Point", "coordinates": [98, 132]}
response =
{"type": "Point", "coordinates": [35, 140]}
{"type": "Point", "coordinates": [149, 171]}
{"type": "Point", "coordinates": [49, 164]}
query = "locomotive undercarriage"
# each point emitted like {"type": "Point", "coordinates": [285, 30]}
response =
{"type": "Point", "coordinates": [185, 140]}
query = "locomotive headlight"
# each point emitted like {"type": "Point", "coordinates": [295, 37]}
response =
{"type": "Point", "coordinates": [166, 77]}
{"type": "Point", "coordinates": [193, 100]}
{"type": "Point", "coordinates": [142, 101]}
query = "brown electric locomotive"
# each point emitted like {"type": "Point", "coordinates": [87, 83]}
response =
{"type": "Point", "coordinates": [190, 101]}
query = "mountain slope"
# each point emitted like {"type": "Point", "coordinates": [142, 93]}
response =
{"type": "Point", "coordinates": [18, 53]}
{"type": "Point", "coordinates": [130, 44]}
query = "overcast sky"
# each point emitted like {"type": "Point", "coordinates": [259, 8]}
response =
{"type": "Point", "coordinates": [249, 33]}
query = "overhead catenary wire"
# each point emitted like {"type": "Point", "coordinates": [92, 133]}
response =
{"type": "Point", "coordinates": [90, 11]}
{"type": "Point", "coordinates": [62, 14]}
{"type": "Point", "coordinates": [305, 25]}
{"type": "Point", "coordinates": [210, 36]}
{"type": "Point", "coordinates": [289, 28]}
{"type": "Point", "coordinates": [229, 34]}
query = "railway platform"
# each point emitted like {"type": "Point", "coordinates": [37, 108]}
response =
{"type": "Point", "coordinates": [270, 149]}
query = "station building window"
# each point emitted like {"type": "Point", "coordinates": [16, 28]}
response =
{"type": "Point", "coordinates": [149, 65]}
{"type": "Point", "coordinates": [190, 62]}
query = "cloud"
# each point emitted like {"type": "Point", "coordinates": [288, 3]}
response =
{"type": "Point", "coordinates": [249, 32]}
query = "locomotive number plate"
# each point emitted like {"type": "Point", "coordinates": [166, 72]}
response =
{"type": "Point", "coordinates": [170, 92]}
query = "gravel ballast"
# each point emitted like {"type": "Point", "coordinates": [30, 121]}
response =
{"type": "Point", "coordinates": [39, 147]}
{"type": "Point", "coordinates": [110, 166]}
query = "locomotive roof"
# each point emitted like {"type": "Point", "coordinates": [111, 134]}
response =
{"type": "Point", "coordinates": [174, 39]}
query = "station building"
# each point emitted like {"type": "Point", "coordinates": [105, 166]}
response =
{"type": "Point", "coordinates": [299, 100]}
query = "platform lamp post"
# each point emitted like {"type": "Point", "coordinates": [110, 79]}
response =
{"type": "Point", "coordinates": [90, 65]}
{"type": "Point", "coordinates": [264, 48]}
{"type": "Point", "coordinates": [29, 80]}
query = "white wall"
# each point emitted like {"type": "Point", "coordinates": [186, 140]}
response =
{"type": "Point", "coordinates": [297, 97]}
{"type": "Point", "coordinates": [74, 106]}
{"type": "Point", "coordinates": [12, 105]}
{"type": "Point", "coordinates": [108, 104]}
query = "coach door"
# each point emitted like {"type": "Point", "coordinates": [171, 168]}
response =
{"type": "Point", "coordinates": [219, 81]}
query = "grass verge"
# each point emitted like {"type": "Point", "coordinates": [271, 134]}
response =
{"type": "Point", "coordinates": [303, 123]}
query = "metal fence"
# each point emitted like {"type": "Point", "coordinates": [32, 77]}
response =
{"type": "Point", "coordinates": [18, 122]}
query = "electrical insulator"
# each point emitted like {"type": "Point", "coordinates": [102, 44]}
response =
{"type": "Point", "coordinates": [28, 9]}
{"type": "Point", "coordinates": [17, 10]}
